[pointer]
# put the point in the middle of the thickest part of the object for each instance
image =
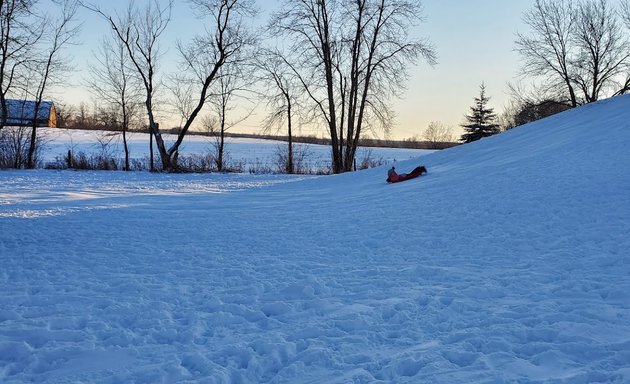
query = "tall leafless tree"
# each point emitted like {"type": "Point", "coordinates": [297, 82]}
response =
{"type": "Point", "coordinates": [281, 95]}
{"type": "Point", "coordinates": [19, 34]}
{"type": "Point", "coordinates": [233, 86]}
{"type": "Point", "coordinates": [50, 67]}
{"type": "Point", "coordinates": [603, 49]}
{"type": "Point", "coordinates": [577, 47]}
{"type": "Point", "coordinates": [112, 81]}
{"type": "Point", "coordinates": [624, 12]}
{"type": "Point", "coordinates": [140, 30]}
{"type": "Point", "coordinates": [205, 55]}
{"type": "Point", "coordinates": [351, 56]}
{"type": "Point", "coordinates": [182, 90]}
{"type": "Point", "coordinates": [215, 61]}
{"type": "Point", "coordinates": [547, 50]}
{"type": "Point", "coordinates": [438, 133]}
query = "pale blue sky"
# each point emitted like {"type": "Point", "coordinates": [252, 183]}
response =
{"type": "Point", "coordinates": [474, 40]}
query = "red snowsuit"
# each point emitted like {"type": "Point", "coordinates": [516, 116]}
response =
{"type": "Point", "coordinates": [393, 177]}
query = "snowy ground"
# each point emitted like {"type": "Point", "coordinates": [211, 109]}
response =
{"type": "Point", "coordinates": [507, 263]}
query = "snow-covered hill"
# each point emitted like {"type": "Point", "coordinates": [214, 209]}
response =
{"type": "Point", "coordinates": [508, 262]}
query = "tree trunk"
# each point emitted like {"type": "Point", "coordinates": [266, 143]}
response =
{"type": "Point", "coordinates": [151, 164]}
{"type": "Point", "coordinates": [290, 168]}
{"type": "Point", "coordinates": [125, 125]}
{"type": "Point", "coordinates": [30, 160]}
{"type": "Point", "coordinates": [3, 110]}
{"type": "Point", "coordinates": [30, 163]}
{"type": "Point", "coordinates": [124, 135]}
{"type": "Point", "coordinates": [337, 160]}
{"type": "Point", "coordinates": [221, 143]}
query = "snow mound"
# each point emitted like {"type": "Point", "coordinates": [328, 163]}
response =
{"type": "Point", "coordinates": [507, 262]}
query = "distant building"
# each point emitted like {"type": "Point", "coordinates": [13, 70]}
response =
{"type": "Point", "coordinates": [22, 112]}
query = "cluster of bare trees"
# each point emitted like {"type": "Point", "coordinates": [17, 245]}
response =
{"type": "Point", "coordinates": [32, 36]}
{"type": "Point", "coordinates": [579, 51]}
{"type": "Point", "coordinates": [575, 52]}
{"type": "Point", "coordinates": [339, 65]}
{"type": "Point", "coordinates": [325, 62]}
{"type": "Point", "coordinates": [330, 63]}
{"type": "Point", "coordinates": [350, 58]}
{"type": "Point", "coordinates": [213, 61]}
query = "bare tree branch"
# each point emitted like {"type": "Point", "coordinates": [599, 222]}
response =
{"type": "Point", "coordinates": [576, 46]}
{"type": "Point", "coordinates": [49, 67]}
{"type": "Point", "coordinates": [20, 32]}
{"type": "Point", "coordinates": [351, 57]}
{"type": "Point", "coordinates": [140, 31]}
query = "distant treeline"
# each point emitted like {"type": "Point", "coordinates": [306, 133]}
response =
{"type": "Point", "coordinates": [96, 117]}
{"type": "Point", "coordinates": [375, 143]}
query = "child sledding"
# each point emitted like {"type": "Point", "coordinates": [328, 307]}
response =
{"type": "Point", "coordinates": [394, 177]}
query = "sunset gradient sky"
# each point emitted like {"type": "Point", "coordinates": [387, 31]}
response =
{"type": "Point", "coordinates": [474, 40]}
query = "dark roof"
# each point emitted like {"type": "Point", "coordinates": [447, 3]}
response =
{"type": "Point", "coordinates": [21, 112]}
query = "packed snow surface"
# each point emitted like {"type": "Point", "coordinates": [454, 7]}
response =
{"type": "Point", "coordinates": [507, 262]}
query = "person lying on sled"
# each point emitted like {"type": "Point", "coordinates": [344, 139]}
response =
{"type": "Point", "coordinates": [393, 176]}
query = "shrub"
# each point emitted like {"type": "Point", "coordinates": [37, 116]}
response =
{"type": "Point", "coordinates": [301, 153]}
{"type": "Point", "coordinates": [14, 146]}
{"type": "Point", "coordinates": [82, 161]}
{"type": "Point", "coordinates": [369, 162]}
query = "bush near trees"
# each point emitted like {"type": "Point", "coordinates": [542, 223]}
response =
{"type": "Point", "coordinates": [532, 111]}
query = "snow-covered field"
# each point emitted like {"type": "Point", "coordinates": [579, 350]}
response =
{"type": "Point", "coordinates": [508, 262]}
{"type": "Point", "coordinates": [242, 152]}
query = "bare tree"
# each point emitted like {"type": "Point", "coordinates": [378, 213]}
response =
{"type": "Point", "coordinates": [83, 118]}
{"type": "Point", "coordinates": [527, 105]}
{"type": "Point", "coordinates": [19, 33]}
{"type": "Point", "coordinates": [351, 57]}
{"type": "Point", "coordinates": [547, 51]}
{"type": "Point", "coordinates": [51, 67]}
{"type": "Point", "coordinates": [215, 62]}
{"type": "Point", "coordinates": [13, 147]}
{"type": "Point", "coordinates": [140, 30]}
{"type": "Point", "coordinates": [624, 12]}
{"type": "Point", "coordinates": [438, 133]}
{"type": "Point", "coordinates": [205, 55]}
{"type": "Point", "coordinates": [282, 100]}
{"type": "Point", "coordinates": [65, 113]}
{"type": "Point", "coordinates": [183, 90]}
{"type": "Point", "coordinates": [577, 47]}
{"type": "Point", "coordinates": [604, 51]}
{"type": "Point", "coordinates": [112, 81]}
{"type": "Point", "coordinates": [231, 85]}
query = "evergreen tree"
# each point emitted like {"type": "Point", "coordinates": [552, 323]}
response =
{"type": "Point", "coordinates": [481, 121]}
